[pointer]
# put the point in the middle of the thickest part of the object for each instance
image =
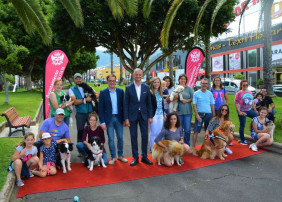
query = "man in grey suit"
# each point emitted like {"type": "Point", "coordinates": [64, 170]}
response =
{"type": "Point", "coordinates": [138, 109]}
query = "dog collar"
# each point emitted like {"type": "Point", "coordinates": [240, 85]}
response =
{"type": "Point", "coordinates": [211, 138]}
{"type": "Point", "coordinates": [97, 153]}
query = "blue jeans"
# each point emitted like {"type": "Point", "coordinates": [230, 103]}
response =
{"type": "Point", "coordinates": [116, 125]}
{"type": "Point", "coordinates": [81, 119]}
{"type": "Point", "coordinates": [185, 121]}
{"type": "Point", "coordinates": [206, 117]}
{"type": "Point", "coordinates": [83, 149]}
{"type": "Point", "coordinates": [252, 114]}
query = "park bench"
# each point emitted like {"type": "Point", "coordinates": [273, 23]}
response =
{"type": "Point", "coordinates": [14, 121]}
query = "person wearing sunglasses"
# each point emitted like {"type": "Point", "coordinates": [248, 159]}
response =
{"type": "Point", "coordinates": [219, 93]}
{"type": "Point", "coordinates": [203, 104]}
{"type": "Point", "coordinates": [245, 108]}
{"type": "Point", "coordinates": [221, 115]}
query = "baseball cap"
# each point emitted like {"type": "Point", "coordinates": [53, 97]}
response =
{"type": "Point", "coordinates": [60, 111]}
{"type": "Point", "coordinates": [45, 135]}
{"type": "Point", "coordinates": [76, 75]}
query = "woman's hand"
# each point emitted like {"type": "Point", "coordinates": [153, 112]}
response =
{"type": "Point", "coordinates": [242, 113]}
{"type": "Point", "coordinates": [165, 149]}
{"type": "Point", "coordinates": [184, 101]}
{"type": "Point", "coordinates": [181, 141]}
{"type": "Point", "coordinates": [88, 145]}
{"type": "Point", "coordinates": [267, 130]}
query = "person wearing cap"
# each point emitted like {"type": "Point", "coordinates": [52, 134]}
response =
{"type": "Point", "coordinates": [57, 128]}
{"type": "Point", "coordinates": [55, 100]}
{"type": "Point", "coordinates": [83, 105]}
{"type": "Point", "coordinates": [111, 117]}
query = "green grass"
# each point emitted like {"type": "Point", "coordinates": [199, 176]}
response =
{"type": "Point", "coordinates": [26, 103]}
{"type": "Point", "coordinates": [103, 86]}
{"type": "Point", "coordinates": [7, 149]}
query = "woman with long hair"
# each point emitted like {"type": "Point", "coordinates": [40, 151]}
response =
{"type": "Point", "coordinates": [245, 107]}
{"type": "Point", "coordinates": [169, 87]}
{"type": "Point", "coordinates": [221, 115]}
{"type": "Point", "coordinates": [219, 93]}
{"type": "Point", "coordinates": [158, 108]}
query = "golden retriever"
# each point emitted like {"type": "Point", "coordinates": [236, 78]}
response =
{"type": "Point", "coordinates": [215, 143]}
{"type": "Point", "coordinates": [175, 150]}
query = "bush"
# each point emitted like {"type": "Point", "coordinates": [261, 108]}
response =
{"type": "Point", "coordinates": [239, 76]}
{"type": "Point", "coordinates": [260, 82]}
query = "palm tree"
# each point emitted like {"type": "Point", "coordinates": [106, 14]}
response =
{"type": "Point", "coordinates": [33, 19]}
{"type": "Point", "coordinates": [267, 43]}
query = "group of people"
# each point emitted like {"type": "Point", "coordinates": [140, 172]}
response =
{"type": "Point", "coordinates": [143, 105]}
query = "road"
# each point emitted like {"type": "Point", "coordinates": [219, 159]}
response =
{"type": "Point", "coordinates": [256, 178]}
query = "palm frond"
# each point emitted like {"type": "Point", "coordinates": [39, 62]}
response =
{"type": "Point", "coordinates": [117, 8]}
{"type": "Point", "coordinates": [243, 11]}
{"type": "Point", "coordinates": [199, 17]}
{"type": "Point", "coordinates": [168, 22]}
{"type": "Point", "coordinates": [32, 17]}
{"type": "Point", "coordinates": [74, 10]}
{"type": "Point", "coordinates": [220, 3]}
{"type": "Point", "coordinates": [147, 8]}
{"type": "Point", "coordinates": [131, 7]}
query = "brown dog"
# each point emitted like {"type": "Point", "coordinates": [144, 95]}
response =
{"type": "Point", "coordinates": [175, 150]}
{"type": "Point", "coordinates": [215, 143]}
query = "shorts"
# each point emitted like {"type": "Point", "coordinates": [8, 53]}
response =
{"type": "Point", "coordinates": [254, 136]}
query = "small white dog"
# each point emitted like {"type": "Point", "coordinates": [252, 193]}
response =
{"type": "Point", "coordinates": [174, 103]}
{"type": "Point", "coordinates": [65, 149]}
{"type": "Point", "coordinates": [271, 125]}
{"type": "Point", "coordinates": [96, 157]}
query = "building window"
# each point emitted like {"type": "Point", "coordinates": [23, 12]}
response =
{"type": "Point", "coordinates": [252, 58]}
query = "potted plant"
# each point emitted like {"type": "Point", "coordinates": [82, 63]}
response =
{"type": "Point", "coordinates": [260, 83]}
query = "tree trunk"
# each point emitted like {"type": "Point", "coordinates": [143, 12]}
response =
{"type": "Point", "coordinates": [208, 60]}
{"type": "Point", "coordinates": [112, 63]}
{"type": "Point", "coordinates": [28, 82]}
{"type": "Point", "coordinates": [267, 54]}
{"type": "Point", "coordinates": [6, 88]}
{"type": "Point", "coordinates": [170, 59]}
{"type": "Point", "coordinates": [120, 73]}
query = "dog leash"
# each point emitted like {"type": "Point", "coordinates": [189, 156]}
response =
{"type": "Point", "coordinates": [211, 138]}
{"type": "Point", "coordinates": [48, 165]}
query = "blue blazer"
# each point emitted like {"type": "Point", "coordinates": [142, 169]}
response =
{"type": "Point", "coordinates": [131, 104]}
{"type": "Point", "coordinates": [105, 105]}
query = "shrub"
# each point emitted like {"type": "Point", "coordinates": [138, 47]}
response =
{"type": "Point", "coordinates": [239, 76]}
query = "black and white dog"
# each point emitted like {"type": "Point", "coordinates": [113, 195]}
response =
{"type": "Point", "coordinates": [95, 156]}
{"type": "Point", "coordinates": [65, 99]}
{"type": "Point", "coordinates": [65, 155]}
{"type": "Point", "coordinates": [89, 92]}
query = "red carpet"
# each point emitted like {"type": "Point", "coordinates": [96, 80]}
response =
{"type": "Point", "coordinates": [81, 177]}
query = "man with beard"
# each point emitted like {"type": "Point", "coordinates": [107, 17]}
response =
{"type": "Point", "coordinates": [83, 105]}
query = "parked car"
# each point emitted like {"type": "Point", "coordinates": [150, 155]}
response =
{"type": "Point", "coordinates": [277, 89]}
{"type": "Point", "coordinates": [232, 86]}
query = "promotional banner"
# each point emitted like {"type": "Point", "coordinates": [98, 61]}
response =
{"type": "Point", "coordinates": [153, 72]}
{"type": "Point", "coordinates": [234, 61]}
{"type": "Point", "coordinates": [193, 63]}
{"type": "Point", "coordinates": [56, 64]}
{"type": "Point", "coordinates": [217, 64]}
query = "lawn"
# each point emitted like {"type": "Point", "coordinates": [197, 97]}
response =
{"type": "Point", "coordinates": [26, 103]}
{"type": "Point", "coordinates": [7, 148]}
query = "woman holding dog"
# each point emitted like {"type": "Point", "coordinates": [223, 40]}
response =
{"type": "Point", "coordinates": [185, 108]}
{"type": "Point", "coordinates": [221, 116]}
{"type": "Point", "coordinates": [55, 100]}
{"type": "Point", "coordinates": [90, 131]}
{"type": "Point", "coordinates": [171, 131]}
{"type": "Point", "coordinates": [158, 109]}
{"type": "Point", "coordinates": [245, 107]}
{"type": "Point", "coordinates": [219, 93]}
{"type": "Point", "coordinates": [169, 87]}
{"type": "Point", "coordinates": [258, 134]}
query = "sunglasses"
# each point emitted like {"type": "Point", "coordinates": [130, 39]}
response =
{"type": "Point", "coordinates": [205, 83]}
{"type": "Point", "coordinates": [224, 110]}
{"type": "Point", "coordinates": [245, 85]}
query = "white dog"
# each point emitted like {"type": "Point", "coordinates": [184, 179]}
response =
{"type": "Point", "coordinates": [65, 149]}
{"type": "Point", "coordinates": [96, 158]}
{"type": "Point", "coordinates": [174, 103]}
{"type": "Point", "coordinates": [270, 125]}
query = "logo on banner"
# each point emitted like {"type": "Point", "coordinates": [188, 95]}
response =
{"type": "Point", "coordinates": [195, 56]}
{"type": "Point", "coordinates": [57, 59]}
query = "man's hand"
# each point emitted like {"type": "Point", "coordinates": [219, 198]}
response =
{"type": "Point", "coordinates": [150, 120]}
{"type": "Point", "coordinates": [198, 118]}
{"type": "Point", "coordinates": [88, 99]}
{"type": "Point", "coordinates": [127, 124]}
{"type": "Point", "coordinates": [104, 127]}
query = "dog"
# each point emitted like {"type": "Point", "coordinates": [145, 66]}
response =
{"type": "Point", "coordinates": [214, 144]}
{"type": "Point", "coordinates": [65, 99]}
{"type": "Point", "coordinates": [175, 151]}
{"type": "Point", "coordinates": [65, 155]}
{"type": "Point", "coordinates": [271, 125]}
{"type": "Point", "coordinates": [95, 155]}
{"type": "Point", "coordinates": [174, 103]}
{"type": "Point", "coordinates": [89, 92]}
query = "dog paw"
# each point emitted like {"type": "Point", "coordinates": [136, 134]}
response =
{"type": "Point", "coordinates": [91, 169]}
{"type": "Point", "coordinates": [159, 164]}
{"type": "Point", "coordinates": [105, 166]}
{"type": "Point", "coordinates": [222, 158]}
{"type": "Point", "coordinates": [69, 169]}
{"type": "Point", "coordinates": [64, 171]}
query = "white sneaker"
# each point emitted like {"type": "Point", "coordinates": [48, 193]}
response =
{"type": "Point", "coordinates": [253, 147]}
{"type": "Point", "coordinates": [112, 161]}
{"type": "Point", "coordinates": [230, 144]}
{"type": "Point", "coordinates": [228, 151]}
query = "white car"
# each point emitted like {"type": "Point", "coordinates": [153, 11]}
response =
{"type": "Point", "coordinates": [232, 86]}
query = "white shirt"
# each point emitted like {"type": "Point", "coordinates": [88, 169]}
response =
{"type": "Point", "coordinates": [138, 90]}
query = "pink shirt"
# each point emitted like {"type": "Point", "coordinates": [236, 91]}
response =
{"type": "Point", "coordinates": [245, 100]}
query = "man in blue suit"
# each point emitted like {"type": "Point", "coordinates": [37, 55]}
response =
{"type": "Point", "coordinates": [138, 109]}
{"type": "Point", "coordinates": [111, 117]}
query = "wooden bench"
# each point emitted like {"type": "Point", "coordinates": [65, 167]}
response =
{"type": "Point", "coordinates": [14, 121]}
